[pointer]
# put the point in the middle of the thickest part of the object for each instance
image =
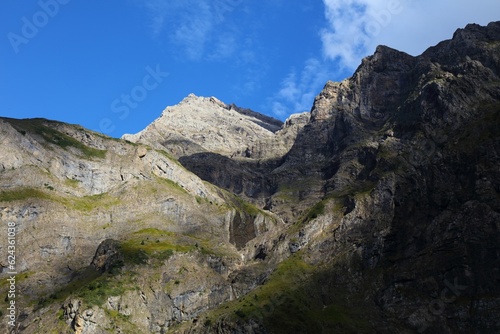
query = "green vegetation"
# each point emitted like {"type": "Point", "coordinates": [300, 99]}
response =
{"type": "Point", "coordinates": [355, 188]}
{"type": "Point", "coordinates": [170, 157]}
{"type": "Point", "coordinates": [202, 200]}
{"type": "Point", "coordinates": [22, 194]}
{"type": "Point", "coordinates": [287, 303]}
{"type": "Point", "coordinates": [60, 314]}
{"type": "Point", "coordinates": [89, 203]}
{"type": "Point", "coordinates": [330, 204]}
{"type": "Point", "coordinates": [263, 301]}
{"type": "Point", "coordinates": [85, 203]}
{"type": "Point", "coordinates": [156, 244]}
{"type": "Point", "coordinates": [40, 127]}
{"type": "Point", "coordinates": [246, 207]}
{"type": "Point", "coordinates": [317, 210]}
{"type": "Point", "coordinates": [91, 286]}
{"type": "Point", "coordinates": [121, 321]}
{"type": "Point", "coordinates": [100, 289]}
{"type": "Point", "coordinates": [171, 184]}
{"type": "Point", "coordinates": [72, 183]}
{"type": "Point", "coordinates": [291, 192]}
{"type": "Point", "coordinates": [83, 278]}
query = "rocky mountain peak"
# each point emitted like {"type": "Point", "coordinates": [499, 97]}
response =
{"type": "Point", "coordinates": [386, 59]}
{"type": "Point", "coordinates": [206, 124]}
{"type": "Point", "coordinates": [192, 98]}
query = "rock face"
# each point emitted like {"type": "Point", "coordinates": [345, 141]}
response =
{"type": "Point", "coordinates": [231, 147]}
{"type": "Point", "coordinates": [91, 212]}
{"type": "Point", "coordinates": [378, 211]}
{"type": "Point", "coordinates": [201, 124]}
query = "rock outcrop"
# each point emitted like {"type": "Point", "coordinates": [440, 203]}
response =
{"type": "Point", "coordinates": [202, 124]}
{"type": "Point", "coordinates": [231, 147]}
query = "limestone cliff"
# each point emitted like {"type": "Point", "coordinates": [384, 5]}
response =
{"type": "Point", "coordinates": [68, 189]}
{"type": "Point", "coordinates": [201, 124]}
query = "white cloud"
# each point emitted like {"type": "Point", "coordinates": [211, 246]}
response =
{"type": "Point", "coordinates": [225, 46]}
{"type": "Point", "coordinates": [425, 23]}
{"type": "Point", "coordinates": [194, 29]}
{"type": "Point", "coordinates": [298, 90]}
{"type": "Point", "coordinates": [193, 25]}
{"type": "Point", "coordinates": [356, 27]}
{"type": "Point", "coordinates": [279, 110]}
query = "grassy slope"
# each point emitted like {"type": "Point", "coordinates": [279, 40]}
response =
{"type": "Point", "coordinates": [46, 129]}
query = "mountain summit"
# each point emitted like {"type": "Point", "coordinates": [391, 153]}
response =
{"type": "Point", "coordinates": [206, 124]}
{"type": "Point", "coordinates": [376, 212]}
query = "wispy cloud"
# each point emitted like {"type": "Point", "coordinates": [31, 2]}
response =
{"type": "Point", "coordinates": [352, 26]}
{"type": "Point", "coordinates": [198, 27]}
{"type": "Point", "coordinates": [224, 47]}
{"type": "Point", "coordinates": [298, 89]}
{"type": "Point", "coordinates": [347, 38]}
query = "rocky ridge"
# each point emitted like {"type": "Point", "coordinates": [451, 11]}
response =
{"type": "Point", "coordinates": [381, 215]}
{"type": "Point", "coordinates": [206, 124]}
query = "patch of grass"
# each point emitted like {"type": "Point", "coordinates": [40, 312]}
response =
{"type": "Point", "coordinates": [154, 232]}
{"type": "Point", "coordinates": [246, 207]}
{"type": "Point", "coordinates": [89, 203]}
{"type": "Point", "coordinates": [353, 189]}
{"type": "Point", "coordinates": [209, 247]}
{"type": "Point", "coordinates": [23, 276]}
{"type": "Point", "coordinates": [100, 289]}
{"type": "Point", "coordinates": [60, 314]}
{"type": "Point", "coordinates": [292, 192]}
{"type": "Point", "coordinates": [170, 184]}
{"type": "Point", "coordinates": [291, 301]}
{"type": "Point", "coordinates": [170, 157]}
{"type": "Point", "coordinates": [328, 205]}
{"type": "Point", "coordinates": [117, 316]}
{"type": "Point", "coordinates": [202, 200]}
{"type": "Point", "coordinates": [92, 287]}
{"type": "Point", "coordinates": [264, 301]}
{"type": "Point", "coordinates": [40, 127]}
{"type": "Point", "coordinates": [317, 210]}
{"type": "Point", "coordinates": [86, 203]}
{"type": "Point", "coordinates": [134, 255]}
{"type": "Point", "coordinates": [235, 202]}
{"type": "Point", "coordinates": [120, 320]}
{"type": "Point", "coordinates": [72, 183]}
{"type": "Point", "coordinates": [22, 194]}
{"type": "Point", "coordinates": [156, 244]}
{"type": "Point", "coordinates": [83, 278]}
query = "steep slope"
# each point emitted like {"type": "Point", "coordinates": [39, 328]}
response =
{"type": "Point", "coordinates": [202, 124]}
{"type": "Point", "coordinates": [231, 147]}
{"type": "Point", "coordinates": [392, 192]}
{"type": "Point", "coordinates": [68, 190]}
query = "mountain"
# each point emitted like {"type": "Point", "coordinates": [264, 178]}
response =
{"type": "Point", "coordinates": [201, 124]}
{"type": "Point", "coordinates": [376, 212]}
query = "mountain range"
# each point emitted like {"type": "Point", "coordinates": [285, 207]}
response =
{"type": "Point", "coordinates": [376, 212]}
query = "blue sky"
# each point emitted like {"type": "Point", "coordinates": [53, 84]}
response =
{"type": "Point", "coordinates": [113, 66]}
